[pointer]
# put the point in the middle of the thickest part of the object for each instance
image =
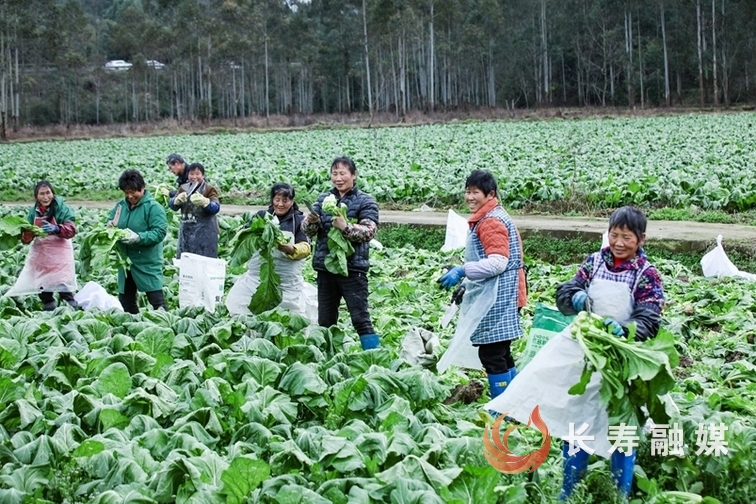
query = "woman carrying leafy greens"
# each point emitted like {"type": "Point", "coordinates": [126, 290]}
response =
{"type": "Point", "coordinates": [296, 295]}
{"type": "Point", "coordinates": [144, 219]}
{"type": "Point", "coordinates": [199, 205]}
{"type": "Point", "coordinates": [618, 285]}
{"type": "Point", "coordinates": [344, 221]}
{"type": "Point", "coordinates": [50, 263]}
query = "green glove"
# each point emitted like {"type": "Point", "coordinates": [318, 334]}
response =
{"type": "Point", "coordinates": [199, 200]}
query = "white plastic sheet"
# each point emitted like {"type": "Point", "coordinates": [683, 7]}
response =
{"type": "Point", "coordinates": [716, 264]}
{"type": "Point", "coordinates": [93, 296]}
{"type": "Point", "coordinates": [456, 232]}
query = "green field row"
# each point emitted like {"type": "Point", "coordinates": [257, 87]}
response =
{"type": "Point", "coordinates": [702, 160]}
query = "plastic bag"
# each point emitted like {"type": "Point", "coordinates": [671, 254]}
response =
{"type": "Point", "coordinates": [419, 347]}
{"type": "Point", "coordinates": [49, 267]}
{"type": "Point", "coordinates": [201, 281]}
{"type": "Point", "coordinates": [547, 322]}
{"type": "Point", "coordinates": [456, 232]}
{"type": "Point", "coordinates": [716, 264]}
{"type": "Point", "coordinates": [94, 296]}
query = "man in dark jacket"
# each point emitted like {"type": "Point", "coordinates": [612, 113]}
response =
{"type": "Point", "coordinates": [177, 165]}
{"type": "Point", "coordinates": [362, 209]}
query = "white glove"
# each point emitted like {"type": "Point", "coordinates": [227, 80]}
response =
{"type": "Point", "coordinates": [199, 200]}
{"type": "Point", "coordinates": [132, 238]}
{"type": "Point", "coordinates": [163, 191]}
{"type": "Point", "coordinates": [180, 199]}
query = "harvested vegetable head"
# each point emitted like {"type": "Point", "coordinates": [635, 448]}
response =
{"type": "Point", "coordinates": [633, 375]}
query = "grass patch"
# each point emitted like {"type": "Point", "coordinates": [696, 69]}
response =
{"type": "Point", "coordinates": [551, 250]}
{"type": "Point", "coordinates": [402, 235]}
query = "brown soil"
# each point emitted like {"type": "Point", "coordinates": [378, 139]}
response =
{"type": "Point", "coordinates": [467, 394]}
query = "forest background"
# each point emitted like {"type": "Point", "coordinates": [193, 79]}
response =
{"type": "Point", "coordinates": [242, 62]}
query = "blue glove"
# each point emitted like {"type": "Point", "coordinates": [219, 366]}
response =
{"type": "Point", "coordinates": [578, 300]}
{"type": "Point", "coordinates": [614, 327]}
{"type": "Point", "coordinates": [50, 228]}
{"type": "Point", "coordinates": [452, 277]}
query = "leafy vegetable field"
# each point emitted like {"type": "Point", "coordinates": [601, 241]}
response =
{"type": "Point", "coordinates": [702, 160]}
{"type": "Point", "coordinates": [198, 407]}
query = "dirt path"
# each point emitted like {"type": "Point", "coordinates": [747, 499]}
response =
{"type": "Point", "coordinates": [680, 236]}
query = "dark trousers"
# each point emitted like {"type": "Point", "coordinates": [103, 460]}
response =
{"type": "Point", "coordinates": [354, 290]}
{"type": "Point", "coordinates": [496, 357]}
{"type": "Point", "coordinates": [129, 297]}
{"type": "Point", "coordinates": [48, 301]}
{"type": "Point", "coordinates": [47, 297]}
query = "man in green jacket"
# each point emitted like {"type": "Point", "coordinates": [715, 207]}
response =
{"type": "Point", "coordinates": [145, 219]}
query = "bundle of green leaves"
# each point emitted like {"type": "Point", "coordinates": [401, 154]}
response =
{"type": "Point", "coordinates": [633, 374]}
{"type": "Point", "coordinates": [100, 251]}
{"type": "Point", "coordinates": [263, 236]}
{"type": "Point", "coordinates": [339, 248]}
{"type": "Point", "coordinates": [11, 227]}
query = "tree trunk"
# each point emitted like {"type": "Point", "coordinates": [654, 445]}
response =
{"type": "Point", "coordinates": [546, 95]}
{"type": "Point", "coordinates": [431, 64]}
{"type": "Point", "coordinates": [699, 34]}
{"type": "Point", "coordinates": [367, 60]}
{"type": "Point", "coordinates": [725, 74]}
{"type": "Point", "coordinates": [640, 62]}
{"type": "Point", "coordinates": [267, 81]}
{"type": "Point", "coordinates": [667, 98]}
{"type": "Point", "coordinates": [714, 51]}
{"type": "Point", "coordinates": [629, 55]}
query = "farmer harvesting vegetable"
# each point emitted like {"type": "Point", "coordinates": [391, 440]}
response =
{"type": "Point", "coordinates": [625, 267]}
{"type": "Point", "coordinates": [50, 263]}
{"type": "Point", "coordinates": [620, 285]}
{"type": "Point", "coordinates": [145, 220]}
{"type": "Point", "coordinates": [199, 205]}
{"type": "Point", "coordinates": [288, 260]}
{"type": "Point", "coordinates": [177, 165]}
{"type": "Point", "coordinates": [495, 282]}
{"type": "Point", "coordinates": [344, 220]}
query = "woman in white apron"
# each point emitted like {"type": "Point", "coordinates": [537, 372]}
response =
{"type": "Point", "coordinates": [298, 296]}
{"type": "Point", "coordinates": [50, 265]}
{"type": "Point", "coordinates": [619, 284]}
{"type": "Point", "coordinates": [495, 286]}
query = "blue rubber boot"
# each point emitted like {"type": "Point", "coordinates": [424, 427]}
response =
{"type": "Point", "coordinates": [498, 383]}
{"type": "Point", "coordinates": [370, 341]}
{"type": "Point", "coordinates": [622, 471]}
{"type": "Point", "coordinates": [512, 373]}
{"type": "Point", "coordinates": [575, 467]}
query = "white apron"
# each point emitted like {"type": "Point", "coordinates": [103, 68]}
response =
{"type": "Point", "coordinates": [479, 298]}
{"type": "Point", "coordinates": [544, 382]}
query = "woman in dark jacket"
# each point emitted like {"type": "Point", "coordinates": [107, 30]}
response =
{"type": "Point", "coordinates": [363, 210]}
{"type": "Point", "coordinates": [298, 296]}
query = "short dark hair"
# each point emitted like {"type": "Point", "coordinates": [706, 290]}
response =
{"type": "Point", "coordinates": [174, 158]}
{"type": "Point", "coordinates": [282, 188]}
{"type": "Point", "coordinates": [631, 218]}
{"type": "Point", "coordinates": [195, 166]}
{"type": "Point", "coordinates": [344, 160]}
{"type": "Point", "coordinates": [131, 179]}
{"type": "Point", "coordinates": [483, 180]}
